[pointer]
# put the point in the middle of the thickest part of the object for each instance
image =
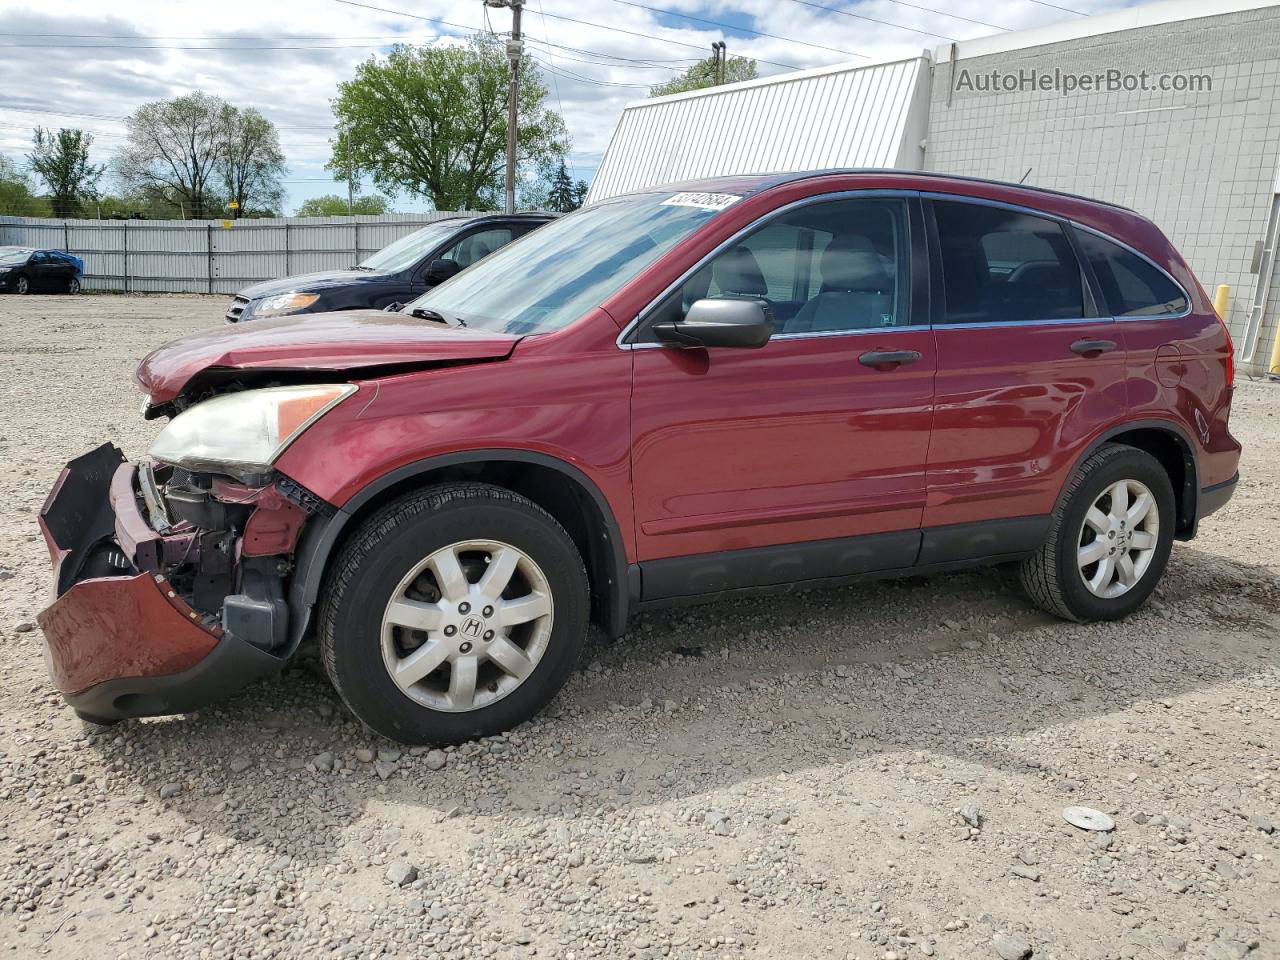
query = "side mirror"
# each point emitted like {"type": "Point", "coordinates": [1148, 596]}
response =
{"type": "Point", "coordinates": [720, 323]}
{"type": "Point", "coordinates": [441, 270]}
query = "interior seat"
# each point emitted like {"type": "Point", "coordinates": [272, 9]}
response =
{"type": "Point", "coordinates": [737, 273]}
{"type": "Point", "coordinates": [857, 291]}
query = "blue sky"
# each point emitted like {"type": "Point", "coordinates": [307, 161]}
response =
{"type": "Point", "coordinates": [286, 57]}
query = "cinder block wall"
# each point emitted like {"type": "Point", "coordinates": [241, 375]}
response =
{"type": "Point", "coordinates": [1202, 165]}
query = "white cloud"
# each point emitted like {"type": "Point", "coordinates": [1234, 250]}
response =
{"type": "Point", "coordinates": [93, 75]}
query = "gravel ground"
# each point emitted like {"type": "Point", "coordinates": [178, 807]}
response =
{"type": "Point", "coordinates": [875, 772]}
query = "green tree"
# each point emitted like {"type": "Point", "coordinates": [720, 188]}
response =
{"type": "Point", "coordinates": [432, 121]}
{"type": "Point", "coordinates": [61, 160]}
{"type": "Point", "coordinates": [175, 151]}
{"type": "Point", "coordinates": [703, 74]}
{"type": "Point", "coordinates": [563, 192]}
{"type": "Point", "coordinates": [252, 164]}
{"type": "Point", "coordinates": [332, 205]}
{"type": "Point", "coordinates": [16, 199]}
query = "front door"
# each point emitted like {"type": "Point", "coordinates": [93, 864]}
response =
{"type": "Point", "coordinates": [1028, 372]}
{"type": "Point", "coordinates": [804, 459]}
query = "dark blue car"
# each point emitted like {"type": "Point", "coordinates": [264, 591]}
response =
{"type": "Point", "coordinates": [395, 274]}
{"type": "Point", "coordinates": [24, 270]}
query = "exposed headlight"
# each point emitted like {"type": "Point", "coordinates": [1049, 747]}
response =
{"type": "Point", "coordinates": [285, 303]}
{"type": "Point", "coordinates": [244, 433]}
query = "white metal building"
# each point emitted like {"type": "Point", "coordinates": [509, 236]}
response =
{"type": "Point", "coordinates": [1200, 157]}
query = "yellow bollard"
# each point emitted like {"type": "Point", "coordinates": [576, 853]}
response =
{"type": "Point", "coordinates": [1220, 298]}
{"type": "Point", "coordinates": [1274, 367]}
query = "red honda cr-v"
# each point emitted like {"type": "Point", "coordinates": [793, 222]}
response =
{"type": "Point", "coordinates": [731, 385]}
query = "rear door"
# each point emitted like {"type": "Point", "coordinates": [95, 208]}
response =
{"type": "Point", "coordinates": [1028, 372]}
{"type": "Point", "coordinates": [44, 271]}
{"type": "Point", "coordinates": [803, 459]}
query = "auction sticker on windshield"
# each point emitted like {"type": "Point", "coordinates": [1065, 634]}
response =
{"type": "Point", "coordinates": [703, 201]}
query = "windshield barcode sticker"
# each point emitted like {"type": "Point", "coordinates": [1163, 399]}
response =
{"type": "Point", "coordinates": [703, 201]}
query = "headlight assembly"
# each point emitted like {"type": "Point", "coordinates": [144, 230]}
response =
{"type": "Point", "coordinates": [285, 303]}
{"type": "Point", "coordinates": [244, 433]}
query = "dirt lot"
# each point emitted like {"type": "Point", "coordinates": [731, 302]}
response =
{"type": "Point", "coordinates": [774, 778]}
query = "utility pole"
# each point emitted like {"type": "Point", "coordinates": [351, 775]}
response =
{"type": "Point", "coordinates": [717, 52]}
{"type": "Point", "coordinates": [515, 48]}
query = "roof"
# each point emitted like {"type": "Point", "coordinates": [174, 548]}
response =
{"type": "Point", "coordinates": [746, 185]}
{"type": "Point", "coordinates": [849, 115]}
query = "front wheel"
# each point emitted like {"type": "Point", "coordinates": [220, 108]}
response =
{"type": "Point", "coordinates": [1109, 539]}
{"type": "Point", "coordinates": [452, 613]}
{"type": "Point", "coordinates": [22, 286]}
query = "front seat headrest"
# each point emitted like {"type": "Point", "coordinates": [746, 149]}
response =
{"type": "Point", "coordinates": [737, 271]}
{"type": "Point", "coordinates": [851, 263]}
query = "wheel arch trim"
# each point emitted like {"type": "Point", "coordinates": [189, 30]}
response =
{"type": "Point", "coordinates": [1188, 496]}
{"type": "Point", "coordinates": [316, 546]}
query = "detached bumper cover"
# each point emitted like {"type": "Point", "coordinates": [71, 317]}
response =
{"type": "Point", "coordinates": [127, 646]}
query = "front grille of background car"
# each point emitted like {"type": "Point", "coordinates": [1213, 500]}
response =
{"type": "Point", "coordinates": [236, 309]}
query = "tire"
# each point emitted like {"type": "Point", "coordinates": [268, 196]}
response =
{"type": "Point", "coordinates": [73, 287]}
{"type": "Point", "coordinates": [362, 638]}
{"type": "Point", "coordinates": [1054, 577]}
{"type": "Point", "coordinates": [21, 286]}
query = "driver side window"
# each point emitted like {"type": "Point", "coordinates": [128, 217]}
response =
{"type": "Point", "coordinates": [828, 267]}
{"type": "Point", "coordinates": [477, 246]}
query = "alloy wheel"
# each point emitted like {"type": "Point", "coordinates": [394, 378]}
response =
{"type": "Point", "coordinates": [467, 625]}
{"type": "Point", "coordinates": [22, 285]}
{"type": "Point", "coordinates": [1118, 539]}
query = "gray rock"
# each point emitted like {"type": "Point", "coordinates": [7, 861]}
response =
{"type": "Point", "coordinates": [1010, 947]}
{"type": "Point", "coordinates": [1262, 823]}
{"type": "Point", "coordinates": [1027, 873]}
{"type": "Point", "coordinates": [364, 755]}
{"type": "Point", "coordinates": [240, 764]}
{"type": "Point", "coordinates": [436, 760]}
{"type": "Point", "coordinates": [971, 815]}
{"type": "Point", "coordinates": [170, 790]}
{"type": "Point", "coordinates": [388, 754]}
{"type": "Point", "coordinates": [323, 762]}
{"type": "Point", "coordinates": [24, 626]}
{"type": "Point", "coordinates": [780, 818]}
{"type": "Point", "coordinates": [402, 873]}
{"type": "Point", "coordinates": [1028, 857]}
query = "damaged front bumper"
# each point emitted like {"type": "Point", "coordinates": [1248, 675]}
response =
{"type": "Point", "coordinates": [169, 585]}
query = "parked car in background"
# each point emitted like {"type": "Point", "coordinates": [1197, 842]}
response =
{"type": "Point", "coordinates": [395, 274]}
{"type": "Point", "coordinates": [24, 270]}
{"type": "Point", "coordinates": [749, 384]}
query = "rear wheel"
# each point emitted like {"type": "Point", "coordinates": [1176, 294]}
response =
{"type": "Point", "coordinates": [1109, 539]}
{"type": "Point", "coordinates": [74, 285]}
{"type": "Point", "coordinates": [454, 613]}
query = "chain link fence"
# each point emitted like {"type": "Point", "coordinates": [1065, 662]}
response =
{"type": "Point", "coordinates": [211, 256]}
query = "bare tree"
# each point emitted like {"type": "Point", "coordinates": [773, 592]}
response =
{"type": "Point", "coordinates": [253, 163]}
{"type": "Point", "coordinates": [176, 150]}
{"type": "Point", "coordinates": [61, 160]}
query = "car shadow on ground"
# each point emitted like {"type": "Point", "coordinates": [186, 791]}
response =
{"type": "Point", "coordinates": [699, 699]}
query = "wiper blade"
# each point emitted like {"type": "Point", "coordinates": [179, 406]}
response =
{"type": "Point", "coordinates": [361, 266]}
{"type": "Point", "coordinates": [423, 314]}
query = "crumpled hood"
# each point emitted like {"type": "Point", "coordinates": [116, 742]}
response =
{"type": "Point", "coordinates": [356, 340]}
{"type": "Point", "coordinates": [315, 282]}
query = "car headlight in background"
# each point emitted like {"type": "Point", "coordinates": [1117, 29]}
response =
{"type": "Point", "coordinates": [285, 303]}
{"type": "Point", "coordinates": [243, 433]}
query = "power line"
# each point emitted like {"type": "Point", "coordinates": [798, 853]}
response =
{"type": "Point", "coordinates": [103, 116]}
{"type": "Point", "coordinates": [728, 26]}
{"type": "Point", "coordinates": [913, 6]}
{"type": "Point", "coordinates": [134, 46]}
{"type": "Point", "coordinates": [1043, 3]}
{"type": "Point", "coordinates": [859, 16]}
{"type": "Point", "coordinates": [631, 65]}
{"type": "Point", "coordinates": [573, 76]}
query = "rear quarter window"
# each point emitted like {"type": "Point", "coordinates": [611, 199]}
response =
{"type": "Point", "coordinates": [1130, 285]}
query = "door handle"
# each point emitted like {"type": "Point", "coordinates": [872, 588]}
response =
{"type": "Point", "coordinates": [884, 359]}
{"type": "Point", "coordinates": [1086, 347]}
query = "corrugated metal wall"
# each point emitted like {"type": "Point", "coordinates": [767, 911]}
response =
{"type": "Point", "coordinates": [206, 256]}
{"type": "Point", "coordinates": [847, 116]}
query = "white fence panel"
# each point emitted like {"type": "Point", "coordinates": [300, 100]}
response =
{"type": "Point", "coordinates": [212, 256]}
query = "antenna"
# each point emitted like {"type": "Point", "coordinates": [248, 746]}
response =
{"type": "Point", "coordinates": [1025, 175]}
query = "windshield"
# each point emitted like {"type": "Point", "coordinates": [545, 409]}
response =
{"type": "Point", "coordinates": [407, 251]}
{"type": "Point", "coordinates": [11, 255]}
{"type": "Point", "coordinates": [557, 273]}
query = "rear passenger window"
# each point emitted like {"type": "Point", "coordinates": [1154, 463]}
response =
{"type": "Point", "coordinates": [1131, 286]}
{"type": "Point", "coordinates": [1002, 266]}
